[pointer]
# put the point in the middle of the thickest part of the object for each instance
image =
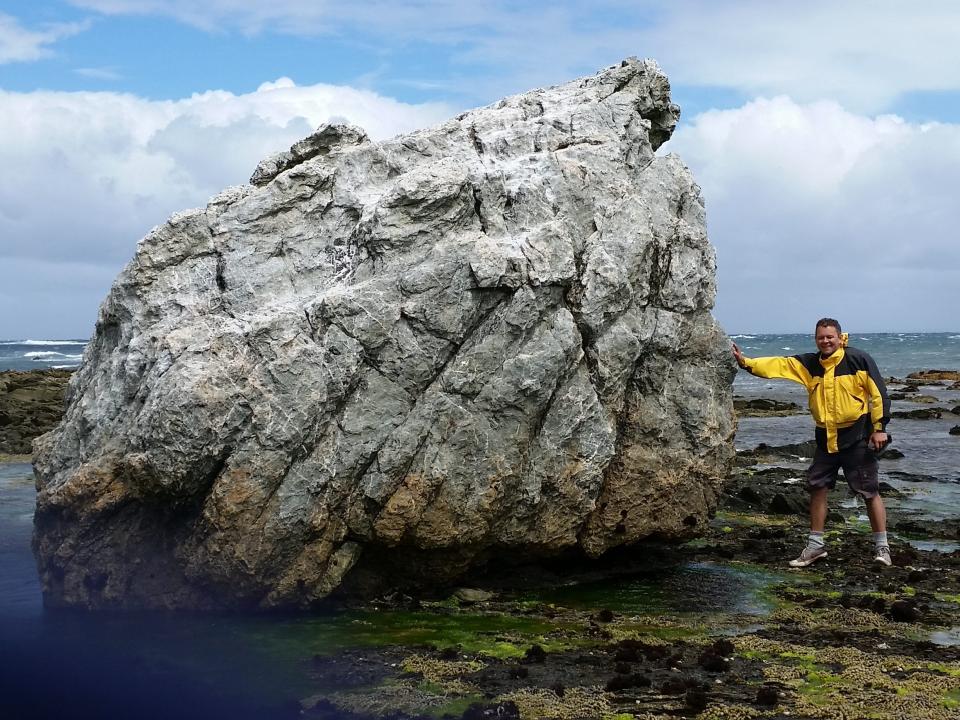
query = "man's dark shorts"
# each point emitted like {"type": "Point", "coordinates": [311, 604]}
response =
{"type": "Point", "coordinates": [859, 465]}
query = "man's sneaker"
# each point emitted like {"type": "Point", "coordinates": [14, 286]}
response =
{"type": "Point", "coordinates": [882, 556]}
{"type": "Point", "coordinates": [809, 556]}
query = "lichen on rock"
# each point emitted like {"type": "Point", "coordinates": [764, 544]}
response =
{"type": "Point", "coordinates": [386, 362]}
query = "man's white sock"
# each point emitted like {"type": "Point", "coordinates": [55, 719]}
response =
{"type": "Point", "coordinates": [815, 540]}
{"type": "Point", "coordinates": [880, 540]}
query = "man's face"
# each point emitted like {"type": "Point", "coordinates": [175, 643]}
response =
{"type": "Point", "coordinates": [828, 340]}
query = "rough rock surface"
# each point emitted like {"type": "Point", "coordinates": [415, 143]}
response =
{"type": "Point", "coordinates": [384, 363]}
{"type": "Point", "coordinates": [31, 403]}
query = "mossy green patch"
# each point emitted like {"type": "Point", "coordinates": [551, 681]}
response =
{"type": "Point", "coordinates": [455, 708]}
{"type": "Point", "coordinates": [493, 634]}
{"type": "Point", "coordinates": [821, 687]}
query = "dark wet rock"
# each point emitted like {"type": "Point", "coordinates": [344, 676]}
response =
{"type": "Point", "coordinates": [914, 398]}
{"type": "Point", "coordinates": [952, 375]}
{"type": "Point", "coordinates": [764, 407]}
{"type": "Point", "coordinates": [781, 504]}
{"type": "Point", "coordinates": [350, 669]}
{"type": "Point", "coordinates": [31, 404]}
{"type": "Point", "coordinates": [955, 410]}
{"type": "Point", "coordinates": [605, 615]}
{"type": "Point", "coordinates": [628, 654]}
{"type": "Point", "coordinates": [769, 453]}
{"type": "Point", "coordinates": [724, 646]}
{"type": "Point", "coordinates": [518, 671]}
{"type": "Point", "coordinates": [904, 611]}
{"type": "Point", "coordinates": [779, 491]}
{"type": "Point", "coordinates": [534, 654]}
{"type": "Point", "coordinates": [492, 711]}
{"type": "Point", "coordinates": [925, 528]}
{"type": "Point", "coordinates": [674, 686]}
{"type": "Point", "coordinates": [887, 489]}
{"type": "Point", "coordinates": [623, 668]}
{"type": "Point", "coordinates": [955, 430]}
{"type": "Point", "coordinates": [904, 476]}
{"type": "Point", "coordinates": [696, 699]}
{"type": "Point", "coordinates": [713, 661]}
{"type": "Point", "coordinates": [767, 695]}
{"type": "Point", "coordinates": [623, 682]}
{"type": "Point", "coordinates": [918, 414]}
{"type": "Point", "coordinates": [890, 454]}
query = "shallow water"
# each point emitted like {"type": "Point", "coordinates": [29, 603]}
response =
{"type": "Point", "coordinates": [158, 665]}
{"type": "Point", "coordinates": [699, 588]}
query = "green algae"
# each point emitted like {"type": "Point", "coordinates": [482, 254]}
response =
{"type": "Point", "coordinates": [455, 707]}
{"type": "Point", "coordinates": [495, 634]}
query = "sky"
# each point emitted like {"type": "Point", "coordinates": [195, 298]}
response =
{"type": "Point", "coordinates": [825, 135]}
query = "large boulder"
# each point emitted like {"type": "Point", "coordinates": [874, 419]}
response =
{"type": "Point", "coordinates": [383, 363]}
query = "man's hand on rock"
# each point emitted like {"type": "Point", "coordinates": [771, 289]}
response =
{"type": "Point", "coordinates": [739, 356]}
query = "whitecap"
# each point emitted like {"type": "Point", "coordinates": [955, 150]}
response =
{"type": "Point", "coordinates": [786, 348]}
{"type": "Point", "coordinates": [44, 342]}
{"type": "Point", "coordinates": [42, 354]}
{"type": "Point", "coordinates": [65, 367]}
{"type": "Point", "coordinates": [60, 358]}
{"type": "Point", "coordinates": [745, 337]}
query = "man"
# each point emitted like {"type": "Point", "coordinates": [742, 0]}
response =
{"type": "Point", "coordinates": [849, 403]}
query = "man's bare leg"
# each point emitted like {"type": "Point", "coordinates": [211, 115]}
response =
{"type": "Point", "coordinates": [818, 509]}
{"type": "Point", "coordinates": [877, 514]}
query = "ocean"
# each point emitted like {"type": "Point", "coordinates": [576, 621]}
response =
{"type": "Point", "coordinates": [896, 353]}
{"type": "Point", "coordinates": [41, 354]}
{"type": "Point", "coordinates": [78, 665]}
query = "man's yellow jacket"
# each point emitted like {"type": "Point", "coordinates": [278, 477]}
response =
{"type": "Point", "coordinates": [847, 395]}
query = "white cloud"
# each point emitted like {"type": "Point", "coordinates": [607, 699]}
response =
{"type": "Point", "coordinates": [864, 53]}
{"type": "Point", "coordinates": [90, 173]}
{"type": "Point", "coordinates": [99, 73]}
{"type": "Point", "coordinates": [818, 211]}
{"type": "Point", "coordinates": [17, 44]}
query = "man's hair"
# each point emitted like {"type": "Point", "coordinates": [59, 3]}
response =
{"type": "Point", "coordinates": [828, 322]}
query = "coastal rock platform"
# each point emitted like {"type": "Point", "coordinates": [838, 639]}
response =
{"type": "Point", "coordinates": [31, 404]}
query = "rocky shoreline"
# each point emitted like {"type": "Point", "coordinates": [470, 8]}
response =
{"type": "Point", "coordinates": [842, 639]}
{"type": "Point", "coordinates": [31, 403]}
{"type": "Point", "coordinates": [746, 638]}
